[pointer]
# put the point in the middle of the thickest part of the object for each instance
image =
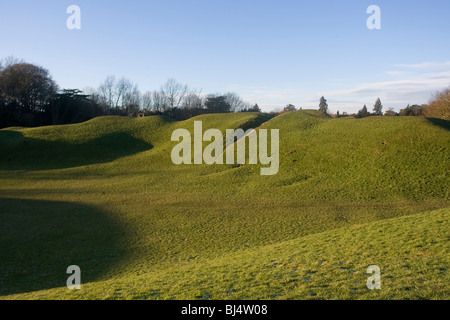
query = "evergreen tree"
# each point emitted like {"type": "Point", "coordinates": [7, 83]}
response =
{"type": "Point", "coordinates": [378, 108]}
{"type": "Point", "coordinates": [256, 108]}
{"type": "Point", "coordinates": [290, 108]}
{"type": "Point", "coordinates": [217, 104]}
{"type": "Point", "coordinates": [363, 112]}
{"type": "Point", "coordinates": [323, 106]}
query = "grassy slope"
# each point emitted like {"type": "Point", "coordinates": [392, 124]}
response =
{"type": "Point", "coordinates": [412, 252]}
{"type": "Point", "coordinates": [334, 173]}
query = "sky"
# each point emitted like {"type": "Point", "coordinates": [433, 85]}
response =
{"type": "Point", "coordinates": [269, 52]}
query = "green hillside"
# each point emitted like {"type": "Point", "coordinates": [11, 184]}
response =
{"type": "Point", "coordinates": [105, 195]}
{"type": "Point", "coordinates": [412, 252]}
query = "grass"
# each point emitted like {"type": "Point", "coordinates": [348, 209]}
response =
{"type": "Point", "coordinates": [411, 251]}
{"type": "Point", "coordinates": [104, 195]}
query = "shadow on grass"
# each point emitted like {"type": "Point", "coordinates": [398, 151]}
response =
{"type": "Point", "coordinates": [21, 153]}
{"type": "Point", "coordinates": [256, 122]}
{"type": "Point", "coordinates": [40, 239]}
{"type": "Point", "coordinates": [440, 122]}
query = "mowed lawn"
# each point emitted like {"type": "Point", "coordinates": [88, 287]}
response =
{"type": "Point", "coordinates": [105, 195]}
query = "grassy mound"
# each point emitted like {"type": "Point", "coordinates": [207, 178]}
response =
{"type": "Point", "coordinates": [108, 193]}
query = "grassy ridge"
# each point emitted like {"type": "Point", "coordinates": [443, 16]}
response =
{"type": "Point", "coordinates": [116, 173]}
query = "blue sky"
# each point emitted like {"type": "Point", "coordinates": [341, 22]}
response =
{"type": "Point", "coordinates": [270, 52]}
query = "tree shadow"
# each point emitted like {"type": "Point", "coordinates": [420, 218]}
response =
{"type": "Point", "coordinates": [40, 239]}
{"type": "Point", "coordinates": [445, 124]}
{"type": "Point", "coordinates": [21, 153]}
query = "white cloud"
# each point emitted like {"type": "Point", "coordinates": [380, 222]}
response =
{"type": "Point", "coordinates": [426, 65]}
{"type": "Point", "coordinates": [397, 73]}
{"type": "Point", "coordinates": [414, 86]}
{"type": "Point", "coordinates": [396, 94]}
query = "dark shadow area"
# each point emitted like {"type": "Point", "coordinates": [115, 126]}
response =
{"type": "Point", "coordinates": [258, 121]}
{"type": "Point", "coordinates": [20, 153]}
{"type": "Point", "coordinates": [40, 239]}
{"type": "Point", "coordinates": [445, 124]}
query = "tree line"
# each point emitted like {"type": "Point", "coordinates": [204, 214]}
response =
{"type": "Point", "coordinates": [30, 97]}
{"type": "Point", "coordinates": [173, 99]}
{"type": "Point", "coordinates": [438, 107]}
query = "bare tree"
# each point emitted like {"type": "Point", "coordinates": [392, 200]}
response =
{"type": "Point", "coordinates": [193, 100]}
{"type": "Point", "coordinates": [236, 102]}
{"type": "Point", "coordinates": [122, 87]}
{"type": "Point", "coordinates": [119, 94]}
{"type": "Point", "coordinates": [146, 101]}
{"type": "Point", "coordinates": [439, 106]}
{"type": "Point", "coordinates": [93, 95]}
{"type": "Point", "coordinates": [131, 100]}
{"type": "Point", "coordinates": [174, 92]}
{"type": "Point", "coordinates": [106, 93]}
{"type": "Point", "coordinates": [159, 102]}
{"type": "Point", "coordinates": [9, 61]}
